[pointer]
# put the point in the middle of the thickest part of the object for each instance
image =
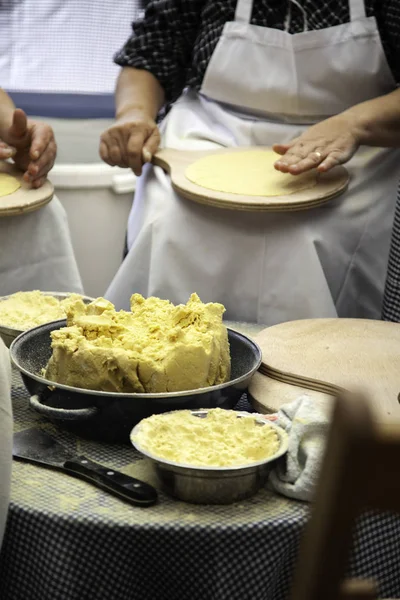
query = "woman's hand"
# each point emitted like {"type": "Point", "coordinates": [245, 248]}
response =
{"type": "Point", "coordinates": [323, 146]}
{"type": "Point", "coordinates": [31, 145]}
{"type": "Point", "coordinates": [130, 142]}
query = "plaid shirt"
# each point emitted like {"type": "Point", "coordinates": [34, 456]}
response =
{"type": "Point", "coordinates": [391, 300]}
{"type": "Point", "coordinates": [176, 38]}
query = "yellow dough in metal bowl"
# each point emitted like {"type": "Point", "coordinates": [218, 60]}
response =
{"type": "Point", "coordinates": [221, 439]}
{"type": "Point", "coordinates": [24, 310]}
{"type": "Point", "coordinates": [157, 347]}
{"type": "Point", "coordinates": [8, 184]}
{"type": "Point", "coordinates": [248, 173]}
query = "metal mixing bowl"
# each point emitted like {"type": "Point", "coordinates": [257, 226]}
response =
{"type": "Point", "coordinates": [8, 334]}
{"type": "Point", "coordinates": [213, 485]}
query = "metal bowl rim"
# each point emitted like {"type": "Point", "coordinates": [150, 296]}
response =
{"type": "Point", "coordinates": [16, 332]}
{"type": "Point", "coordinates": [283, 448]}
{"type": "Point", "coordinates": [158, 395]}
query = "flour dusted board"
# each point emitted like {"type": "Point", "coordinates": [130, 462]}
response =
{"type": "Point", "coordinates": [24, 199]}
{"type": "Point", "coordinates": [329, 185]}
{"type": "Point", "coordinates": [326, 355]}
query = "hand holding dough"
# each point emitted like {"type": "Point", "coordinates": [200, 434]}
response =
{"type": "Point", "coordinates": [249, 173]}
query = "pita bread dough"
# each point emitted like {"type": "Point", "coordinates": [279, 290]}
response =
{"type": "Point", "coordinates": [248, 173]}
{"type": "Point", "coordinates": [8, 184]}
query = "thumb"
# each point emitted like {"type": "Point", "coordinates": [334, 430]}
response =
{"type": "Point", "coordinates": [19, 123]}
{"type": "Point", "coordinates": [151, 145]}
{"type": "Point", "coordinates": [281, 148]}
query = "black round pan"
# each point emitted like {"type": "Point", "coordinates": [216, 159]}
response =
{"type": "Point", "coordinates": [110, 416]}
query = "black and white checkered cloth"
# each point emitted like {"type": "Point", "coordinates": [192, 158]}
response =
{"type": "Point", "coordinates": [176, 39]}
{"type": "Point", "coordinates": [66, 540]}
{"type": "Point", "coordinates": [391, 299]}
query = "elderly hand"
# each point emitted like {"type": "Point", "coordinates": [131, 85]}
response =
{"type": "Point", "coordinates": [130, 142]}
{"type": "Point", "coordinates": [32, 146]}
{"type": "Point", "coordinates": [323, 146]}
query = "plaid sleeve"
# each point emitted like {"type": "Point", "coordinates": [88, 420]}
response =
{"type": "Point", "coordinates": [162, 42]}
{"type": "Point", "coordinates": [387, 14]}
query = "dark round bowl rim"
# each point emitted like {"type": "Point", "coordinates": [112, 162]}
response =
{"type": "Point", "coordinates": [158, 395]}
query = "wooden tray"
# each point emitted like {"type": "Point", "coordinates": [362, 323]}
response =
{"type": "Point", "coordinates": [328, 355]}
{"type": "Point", "coordinates": [25, 199]}
{"type": "Point", "coordinates": [175, 162]}
{"type": "Point", "coordinates": [268, 395]}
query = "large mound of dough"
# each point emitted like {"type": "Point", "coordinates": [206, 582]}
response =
{"type": "Point", "coordinates": [249, 173]}
{"type": "Point", "coordinates": [157, 347]}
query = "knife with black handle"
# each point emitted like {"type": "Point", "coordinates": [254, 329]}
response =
{"type": "Point", "coordinates": [36, 446]}
{"type": "Point", "coordinates": [119, 484]}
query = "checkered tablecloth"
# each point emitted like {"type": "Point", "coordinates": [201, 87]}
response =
{"type": "Point", "coordinates": [66, 540]}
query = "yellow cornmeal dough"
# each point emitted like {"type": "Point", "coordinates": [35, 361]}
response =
{"type": "Point", "coordinates": [219, 440]}
{"type": "Point", "coordinates": [8, 184]}
{"type": "Point", "coordinates": [157, 347]}
{"type": "Point", "coordinates": [249, 173]}
{"type": "Point", "coordinates": [24, 310]}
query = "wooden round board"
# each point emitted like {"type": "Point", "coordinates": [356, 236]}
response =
{"type": "Point", "coordinates": [175, 162]}
{"type": "Point", "coordinates": [268, 395]}
{"type": "Point", "coordinates": [25, 199]}
{"type": "Point", "coordinates": [329, 355]}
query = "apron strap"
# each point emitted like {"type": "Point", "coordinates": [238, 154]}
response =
{"type": "Point", "coordinates": [244, 10]}
{"type": "Point", "coordinates": [288, 18]}
{"type": "Point", "coordinates": [357, 10]}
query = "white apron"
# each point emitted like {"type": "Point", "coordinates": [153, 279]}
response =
{"type": "Point", "coordinates": [270, 267]}
{"type": "Point", "coordinates": [36, 252]}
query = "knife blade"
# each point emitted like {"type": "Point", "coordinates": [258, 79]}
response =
{"type": "Point", "coordinates": [37, 446]}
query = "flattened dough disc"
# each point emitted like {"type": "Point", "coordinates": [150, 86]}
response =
{"type": "Point", "coordinates": [16, 196]}
{"type": "Point", "coordinates": [315, 190]}
{"type": "Point", "coordinates": [248, 173]}
{"type": "Point", "coordinates": [8, 184]}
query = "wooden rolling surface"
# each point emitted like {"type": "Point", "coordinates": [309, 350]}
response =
{"type": "Point", "coordinates": [175, 162]}
{"type": "Point", "coordinates": [25, 199]}
{"type": "Point", "coordinates": [268, 395]}
{"type": "Point", "coordinates": [326, 355]}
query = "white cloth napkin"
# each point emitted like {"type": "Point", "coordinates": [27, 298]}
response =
{"type": "Point", "coordinates": [307, 424]}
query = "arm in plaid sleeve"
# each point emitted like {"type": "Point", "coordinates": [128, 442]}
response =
{"type": "Point", "coordinates": [162, 42]}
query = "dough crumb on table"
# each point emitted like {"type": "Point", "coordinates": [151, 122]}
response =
{"type": "Point", "coordinates": [157, 347]}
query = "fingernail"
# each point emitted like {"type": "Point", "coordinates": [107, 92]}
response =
{"type": "Point", "coordinates": [8, 152]}
{"type": "Point", "coordinates": [35, 154]}
{"type": "Point", "coordinates": [146, 155]}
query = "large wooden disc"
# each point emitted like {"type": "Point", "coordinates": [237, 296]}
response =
{"type": "Point", "coordinates": [175, 162]}
{"type": "Point", "coordinates": [329, 355]}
